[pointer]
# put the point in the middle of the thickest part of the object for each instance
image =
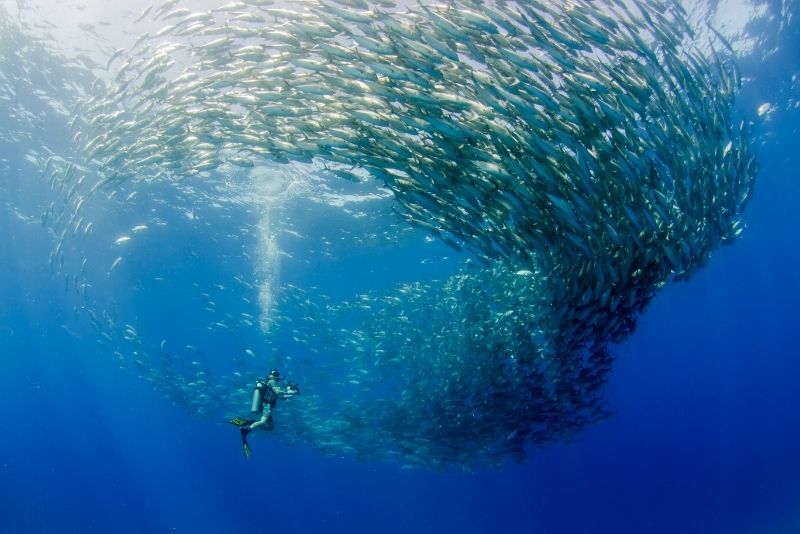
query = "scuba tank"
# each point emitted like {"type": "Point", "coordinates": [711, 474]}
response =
{"type": "Point", "coordinates": [258, 399]}
{"type": "Point", "coordinates": [261, 394]}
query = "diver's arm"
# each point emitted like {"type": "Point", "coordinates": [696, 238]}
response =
{"type": "Point", "coordinates": [291, 391]}
{"type": "Point", "coordinates": [285, 393]}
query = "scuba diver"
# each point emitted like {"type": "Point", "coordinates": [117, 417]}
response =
{"type": "Point", "coordinates": [265, 395]}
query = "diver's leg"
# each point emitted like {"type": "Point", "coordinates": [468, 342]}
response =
{"type": "Point", "coordinates": [266, 419]}
{"type": "Point", "coordinates": [249, 428]}
{"type": "Point", "coordinates": [258, 424]}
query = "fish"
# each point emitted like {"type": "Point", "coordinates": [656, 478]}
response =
{"type": "Point", "coordinates": [115, 264]}
{"type": "Point", "coordinates": [571, 161]}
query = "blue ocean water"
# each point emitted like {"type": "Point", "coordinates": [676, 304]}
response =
{"type": "Point", "coordinates": [705, 434]}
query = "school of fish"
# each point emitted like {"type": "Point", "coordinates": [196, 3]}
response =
{"type": "Point", "coordinates": [581, 153]}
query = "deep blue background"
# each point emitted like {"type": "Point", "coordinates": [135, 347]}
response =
{"type": "Point", "coordinates": [705, 435]}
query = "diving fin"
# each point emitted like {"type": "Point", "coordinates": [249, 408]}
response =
{"type": "Point", "coordinates": [245, 447]}
{"type": "Point", "coordinates": [238, 421]}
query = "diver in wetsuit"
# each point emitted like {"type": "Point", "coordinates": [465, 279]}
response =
{"type": "Point", "coordinates": [265, 395]}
